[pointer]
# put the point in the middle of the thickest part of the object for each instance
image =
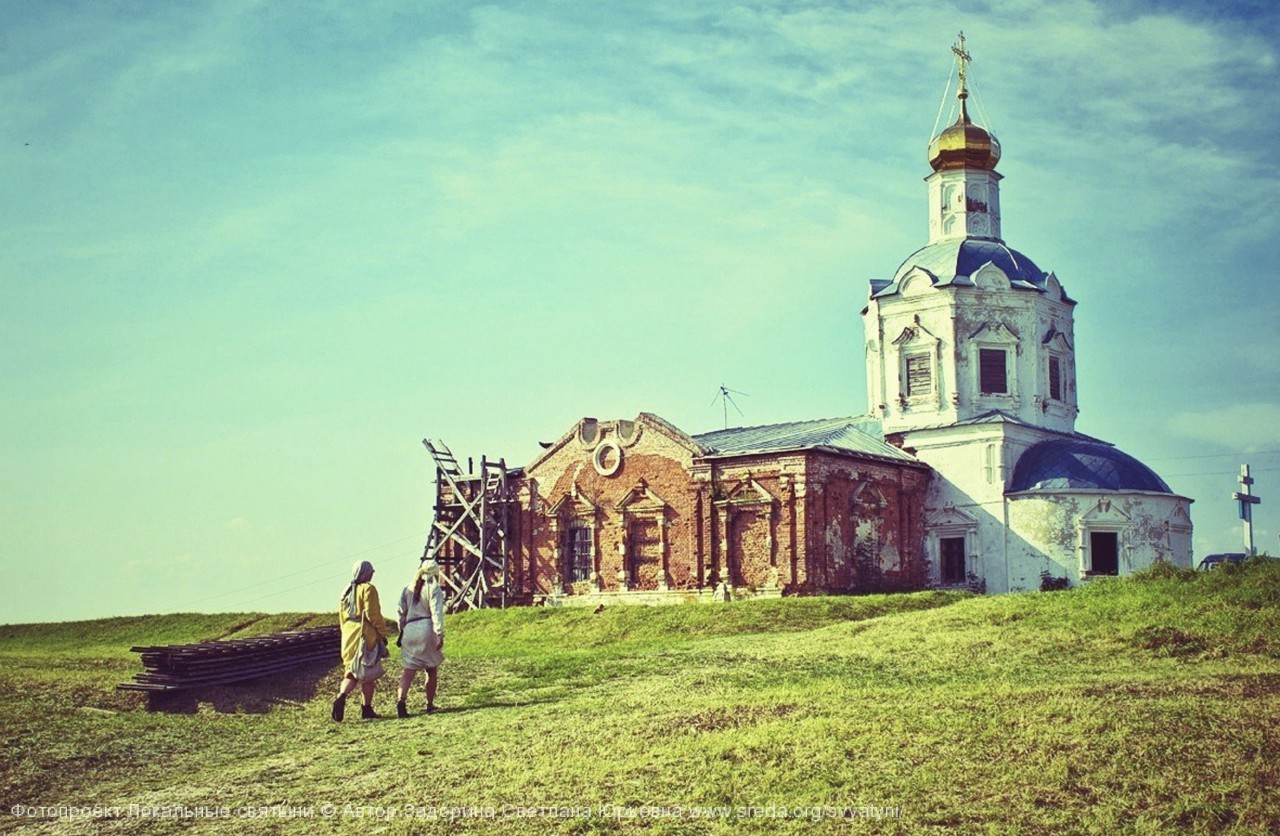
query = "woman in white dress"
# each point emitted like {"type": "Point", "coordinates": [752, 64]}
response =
{"type": "Point", "coordinates": [421, 638]}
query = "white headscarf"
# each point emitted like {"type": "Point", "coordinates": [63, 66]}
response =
{"type": "Point", "coordinates": [429, 573]}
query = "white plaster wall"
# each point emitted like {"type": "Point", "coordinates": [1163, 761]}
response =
{"type": "Point", "coordinates": [966, 494]}
{"type": "Point", "coordinates": [980, 184]}
{"type": "Point", "coordinates": [952, 315]}
{"type": "Point", "coordinates": [1050, 531]}
{"type": "Point", "coordinates": [1011, 540]}
{"type": "Point", "coordinates": [931, 311]}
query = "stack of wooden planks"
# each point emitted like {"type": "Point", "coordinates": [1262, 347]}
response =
{"type": "Point", "coordinates": [178, 666]}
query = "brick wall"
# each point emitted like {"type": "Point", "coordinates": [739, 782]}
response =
{"type": "Point", "coordinates": [665, 519]}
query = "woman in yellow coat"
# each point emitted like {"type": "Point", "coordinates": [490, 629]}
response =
{"type": "Point", "coordinates": [364, 640]}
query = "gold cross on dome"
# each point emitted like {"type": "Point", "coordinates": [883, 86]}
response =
{"type": "Point", "coordinates": [960, 52]}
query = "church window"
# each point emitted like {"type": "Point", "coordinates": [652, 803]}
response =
{"type": "Point", "coordinates": [645, 547]}
{"type": "Point", "coordinates": [952, 558]}
{"type": "Point", "coordinates": [990, 468]}
{"type": "Point", "coordinates": [919, 375]}
{"type": "Point", "coordinates": [578, 553]}
{"type": "Point", "coordinates": [1055, 377]}
{"type": "Point", "coordinates": [1104, 553]}
{"type": "Point", "coordinates": [993, 375]}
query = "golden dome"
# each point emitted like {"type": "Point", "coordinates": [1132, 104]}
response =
{"type": "Point", "coordinates": [964, 145]}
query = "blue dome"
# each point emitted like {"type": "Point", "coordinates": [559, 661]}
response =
{"type": "Point", "coordinates": [1089, 465]}
{"type": "Point", "coordinates": [962, 258]}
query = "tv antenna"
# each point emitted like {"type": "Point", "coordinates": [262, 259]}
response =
{"type": "Point", "coordinates": [725, 397]}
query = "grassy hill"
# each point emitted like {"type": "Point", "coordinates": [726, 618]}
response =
{"type": "Point", "coordinates": [1147, 704]}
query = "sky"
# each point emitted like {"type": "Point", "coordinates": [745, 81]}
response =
{"type": "Point", "coordinates": [252, 253]}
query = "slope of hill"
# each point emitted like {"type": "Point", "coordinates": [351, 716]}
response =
{"type": "Point", "coordinates": [1143, 704]}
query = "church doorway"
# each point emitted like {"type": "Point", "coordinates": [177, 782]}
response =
{"type": "Point", "coordinates": [1104, 552]}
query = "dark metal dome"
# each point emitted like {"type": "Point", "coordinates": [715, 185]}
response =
{"type": "Point", "coordinates": [1089, 465]}
{"type": "Point", "coordinates": [962, 258]}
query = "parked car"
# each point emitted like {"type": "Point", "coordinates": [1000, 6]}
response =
{"type": "Point", "coordinates": [1214, 561]}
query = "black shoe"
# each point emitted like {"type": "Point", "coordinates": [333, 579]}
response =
{"type": "Point", "coordinates": [367, 713]}
{"type": "Point", "coordinates": [339, 708]}
{"type": "Point", "coordinates": [402, 710]}
{"type": "Point", "coordinates": [431, 708]}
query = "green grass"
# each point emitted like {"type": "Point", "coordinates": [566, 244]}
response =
{"type": "Point", "coordinates": [1140, 705]}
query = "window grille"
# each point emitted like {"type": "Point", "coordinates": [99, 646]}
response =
{"type": "Point", "coordinates": [578, 554]}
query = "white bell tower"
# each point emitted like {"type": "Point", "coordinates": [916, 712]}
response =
{"type": "Point", "coordinates": [968, 327]}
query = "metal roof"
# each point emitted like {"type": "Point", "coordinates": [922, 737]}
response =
{"type": "Point", "coordinates": [855, 435]}
{"type": "Point", "coordinates": [1066, 464]}
{"type": "Point", "coordinates": [953, 262]}
{"type": "Point", "coordinates": [999, 416]}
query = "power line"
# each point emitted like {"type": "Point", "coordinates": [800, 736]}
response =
{"type": "Point", "coordinates": [1236, 455]}
{"type": "Point", "coordinates": [303, 571]}
{"type": "Point", "coordinates": [1223, 472]}
{"type": "Point", "coordinates": [309, 583]}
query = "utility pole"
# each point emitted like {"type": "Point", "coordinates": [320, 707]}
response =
{"type": "Point", "coordinates": [1247, 500]}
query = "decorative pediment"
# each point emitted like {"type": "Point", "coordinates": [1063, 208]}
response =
{"type": "Point", "coordinates": [950, 516]}
{"type": "Point", "coordinates": [629, 432]}
{"type": "Point", "coordinates": [1105, 511]}
{"type": "Point", "coordinates": [641, 499]}
{"type": "Point", "coordinates": [1055, 339]}
{"type": "Point", "coordinates": [917, 281]}
{"type": "Point", "coordinates": [868, 495]}
{"type": "Point", "coordinates": [916, 333]}
{"type": "Point", "coordinates": [994, 331]}
{"type": "Point", "coordinates": [990, 277]}
{"type": "Point", "coordinates": [748, 492]}
{"type": "Point", "coordinates": [1053, 288]}
{"type": "Point", "coordinates": [588, 432]}
{"type": "Point", "coordinates": [574, 503]}
{"type": "Point", "coordinates": [1179, 519]}
{"type": "Point", "coordinates": [588, 435]}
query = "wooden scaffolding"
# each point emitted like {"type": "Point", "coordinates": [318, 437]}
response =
{"type": "Point", "coordinates": [468, 538]}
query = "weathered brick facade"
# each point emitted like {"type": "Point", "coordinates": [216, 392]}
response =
{"type": "Point", "coordinates": [641, 507]}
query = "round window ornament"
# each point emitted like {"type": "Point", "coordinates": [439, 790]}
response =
{"type": "Point", "coordinates": [607, 458]}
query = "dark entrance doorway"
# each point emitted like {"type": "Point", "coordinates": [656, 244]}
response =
{"type": "Point", "coordinates": [1104, 552]}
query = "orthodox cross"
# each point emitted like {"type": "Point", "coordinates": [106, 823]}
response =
{"type": "Point", "coordinates": [963, 55]}
{"type": "Point", "coordinates": [1247, 500]}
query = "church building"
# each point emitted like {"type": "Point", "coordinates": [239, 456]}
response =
{"type": "Point", "coordinates": [967, 470]}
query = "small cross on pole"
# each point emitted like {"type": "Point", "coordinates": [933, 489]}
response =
{"type": "Point", "coordinates": [1247, 500]}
